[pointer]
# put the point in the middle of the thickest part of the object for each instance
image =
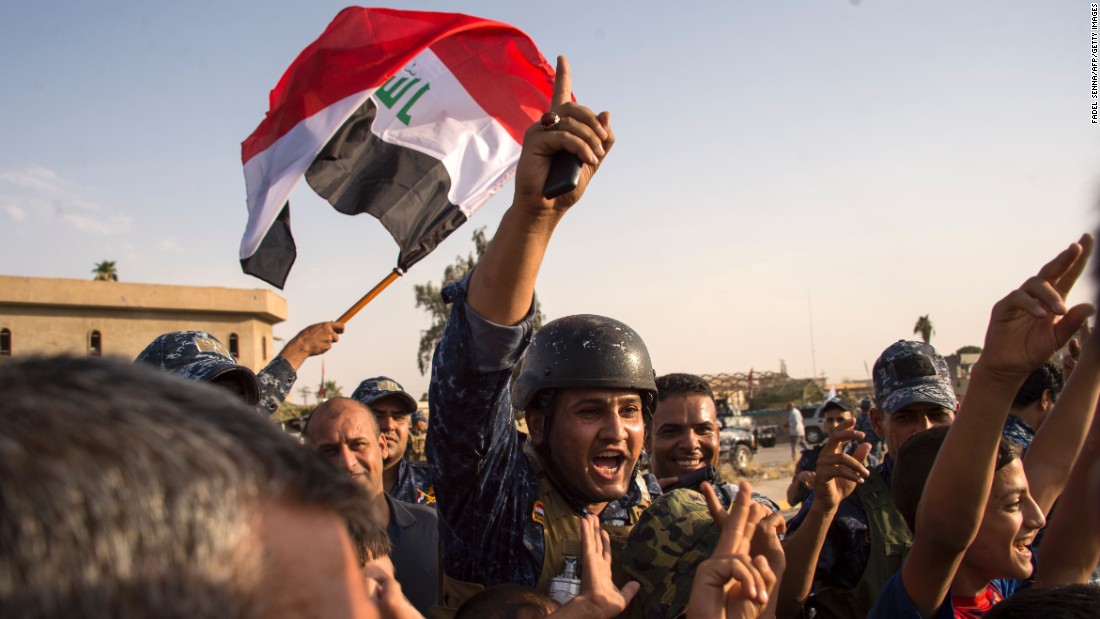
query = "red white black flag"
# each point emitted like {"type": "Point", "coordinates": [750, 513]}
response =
{"type": "Point", "coordinates": [414, 118]}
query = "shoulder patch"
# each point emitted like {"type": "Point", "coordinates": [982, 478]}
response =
{"type": "Point", "coordinates": [538, 513]}
{"type": "Point", "coordinates": [425, 498]}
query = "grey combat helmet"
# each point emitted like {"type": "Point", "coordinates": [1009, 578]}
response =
{"type": "Point", "coordinates": [585, 351]}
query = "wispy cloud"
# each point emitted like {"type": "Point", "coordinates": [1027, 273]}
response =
{"type": "Point", "coordinates": [169, 245]}
{"type": "Point", "coordinates": [15, 212]}
{"type": "Point", "coordinates": [42, 191]}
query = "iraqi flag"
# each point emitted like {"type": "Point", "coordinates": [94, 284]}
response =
{"type": "Point", "coordinates": [414, 118]}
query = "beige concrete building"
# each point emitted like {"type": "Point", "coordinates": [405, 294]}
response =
{"type": "Point", "coordinates": [52, 316]}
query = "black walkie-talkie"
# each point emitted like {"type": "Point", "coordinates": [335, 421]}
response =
{"type": "Point", "coordinates": [565, 174]}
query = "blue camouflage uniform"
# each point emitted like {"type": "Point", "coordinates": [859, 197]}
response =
{"type": "Point", "coordinates": [414, 483]}
{"type": "Point", "coordinates": [1017, 431]}
{"type": "Point", "coordinates": [847, 547]}
{"type": "Point", "coordinates": [276, 380]}
{"type": "Point", "coordinates": [486, 482]}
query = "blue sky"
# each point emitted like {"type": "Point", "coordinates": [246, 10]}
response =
{"type": "Point", "coordinates": [777, 166]}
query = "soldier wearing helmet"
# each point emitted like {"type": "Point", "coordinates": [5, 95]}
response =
{"type": "Point", "coordinates": [510, 506]}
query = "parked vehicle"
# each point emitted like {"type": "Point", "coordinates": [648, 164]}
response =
{"type": "Point", "coordinates": [765, 434]}
{"type": "Point", "coordinates": [738, 446]}
{"type": "Point", "coordinates": [813, 420]}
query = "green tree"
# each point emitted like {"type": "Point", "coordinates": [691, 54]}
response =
{"type": "Point", "coordinates": [429, 297]}
{"type": "Point", "coordinates": [967, 350]}
{"type": "Point", "coordinates": [924, 328]}
{"type": "Point", "coordinates": [105, 271]}
{"type": "Point", "coordinates": [329, 389]}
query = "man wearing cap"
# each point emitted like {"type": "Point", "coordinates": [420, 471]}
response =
{"type": "Point", "coordinates": [198, 355]}
{"type": "Point", "coordinates": [392, 406]}
{"type": "Point", "coordinates": [836, 410]}
{"type": "Point", "coordinates": [858, 544]}
{"type": "Point", "coordinates": [511, 508]}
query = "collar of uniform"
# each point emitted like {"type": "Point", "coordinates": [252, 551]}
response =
{"type": "Point", "coordinates": [886, 469]}
{"type": "Point", "coordinates": [399, 513]}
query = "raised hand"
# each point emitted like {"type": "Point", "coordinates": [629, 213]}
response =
{"type": "Point", "coordinates": [1032, 322]}
{"type": "Point", "coordinates": [581, 131]}
{"type": "Point", "coordinates": [599, 597]}
{"type": "Point", "coordinates": [731, 584]}
{"type": "Point", "coordinates": [315, 339]}
{"type": "Point", "coordinates": [838, 473]}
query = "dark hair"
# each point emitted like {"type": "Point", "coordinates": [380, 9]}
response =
{"type": "Point", "coordinates": [1077, 601]}
{"type": "Point", "coordinates": [1048, 376]}
{"type": "Point", "coordinates": [914, 464]}
{"type": "Point", "coordinates": [128, 491]}
{"type": "Point", "coordinates": [376, 543]}
{"type": "Point", "coordinates": [505, 602]}
{"type": "Point", "coordinates": [682, 384]}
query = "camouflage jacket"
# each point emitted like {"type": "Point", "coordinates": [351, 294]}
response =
{"type": "Point", "coordinates": [847, 547]}
{"type": "Point", "coordinates": [275, 382]}
{"type": "Point", "coordinates": [485, 487]}
{"type": "Point", "coordinates": [1017, 431]}
{"type": "Point", "coordinates": [414, 483]}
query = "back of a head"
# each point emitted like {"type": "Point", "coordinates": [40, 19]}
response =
{"type": "Point", "coordinates": [1046, 377]}
{"type": "Point", "coordinates": [1077, 601]}
{"type": "Point", "coordinates": [507, 601]}
{"type": "Point", "coordinates": [913, 465]}
{"type": "Point", "coordinates": [130, 492]}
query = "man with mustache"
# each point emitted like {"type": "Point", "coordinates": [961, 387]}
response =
{"type": "Point", "coordinates": [392, 407]}
{"type": "Point", "coordinates": [512, 508]}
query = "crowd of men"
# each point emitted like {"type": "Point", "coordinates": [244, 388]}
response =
{"type": "Point", "coordinates": [160, 488]}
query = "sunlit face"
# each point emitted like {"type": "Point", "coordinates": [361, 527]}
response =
{"type": "Point", "coordinates": [898, 426]}
{"type": "Point", "coordinates": [345, 435]}
{"type": "Point", "coordinates": [685, 435]}
{"type": "Point", "coordinates": [595, 440]}
{"type": "Point", "coordinates": [1011, 520]}
{"type": "Point", "coordinates": [833, 418]}
{"type": "Point", "coordinates": [393, 420]}
{"type": "Point", "coordinates": [308, 546]}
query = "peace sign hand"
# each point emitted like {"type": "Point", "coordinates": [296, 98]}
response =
{"type": "Point", "coordinates": [731, 584]}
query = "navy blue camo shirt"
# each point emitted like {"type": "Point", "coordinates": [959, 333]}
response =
{"type": "Point", "coordinates": [414, 483]}
{"type": "Point", "coordinates": [485, 490]}
{"type": "Point", "coordinates": [275, 381]}
{"type": "Point", "coordinates": [847, 547]}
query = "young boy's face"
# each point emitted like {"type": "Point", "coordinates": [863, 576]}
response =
{"type": "Point", "coordinates": [1011, 520]}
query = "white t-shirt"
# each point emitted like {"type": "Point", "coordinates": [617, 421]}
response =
{"type": "Point", "coordinates": [794, 418]}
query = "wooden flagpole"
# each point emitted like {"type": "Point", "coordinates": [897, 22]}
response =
{"type": "Point", "coordinates": [367, 298]}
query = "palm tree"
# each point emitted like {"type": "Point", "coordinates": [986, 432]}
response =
{"type": "Point", "coordinates": [924, 328]}
{"type": "Point", "coordinates": [105, 271]}
{"type": "Point", "coordinates": [329, 389]}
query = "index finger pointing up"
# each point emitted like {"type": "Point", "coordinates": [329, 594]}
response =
{"type": "Point", "coordinates": [563, 84]}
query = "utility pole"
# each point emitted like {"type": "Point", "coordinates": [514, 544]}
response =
{"type": "Point", "coordinates": [305, 394]}
{"type": "Point", "coordinates": [813, 350]}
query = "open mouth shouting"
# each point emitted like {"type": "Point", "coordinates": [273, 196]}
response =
{"type": "Point", "coordinates": [609, 464]}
